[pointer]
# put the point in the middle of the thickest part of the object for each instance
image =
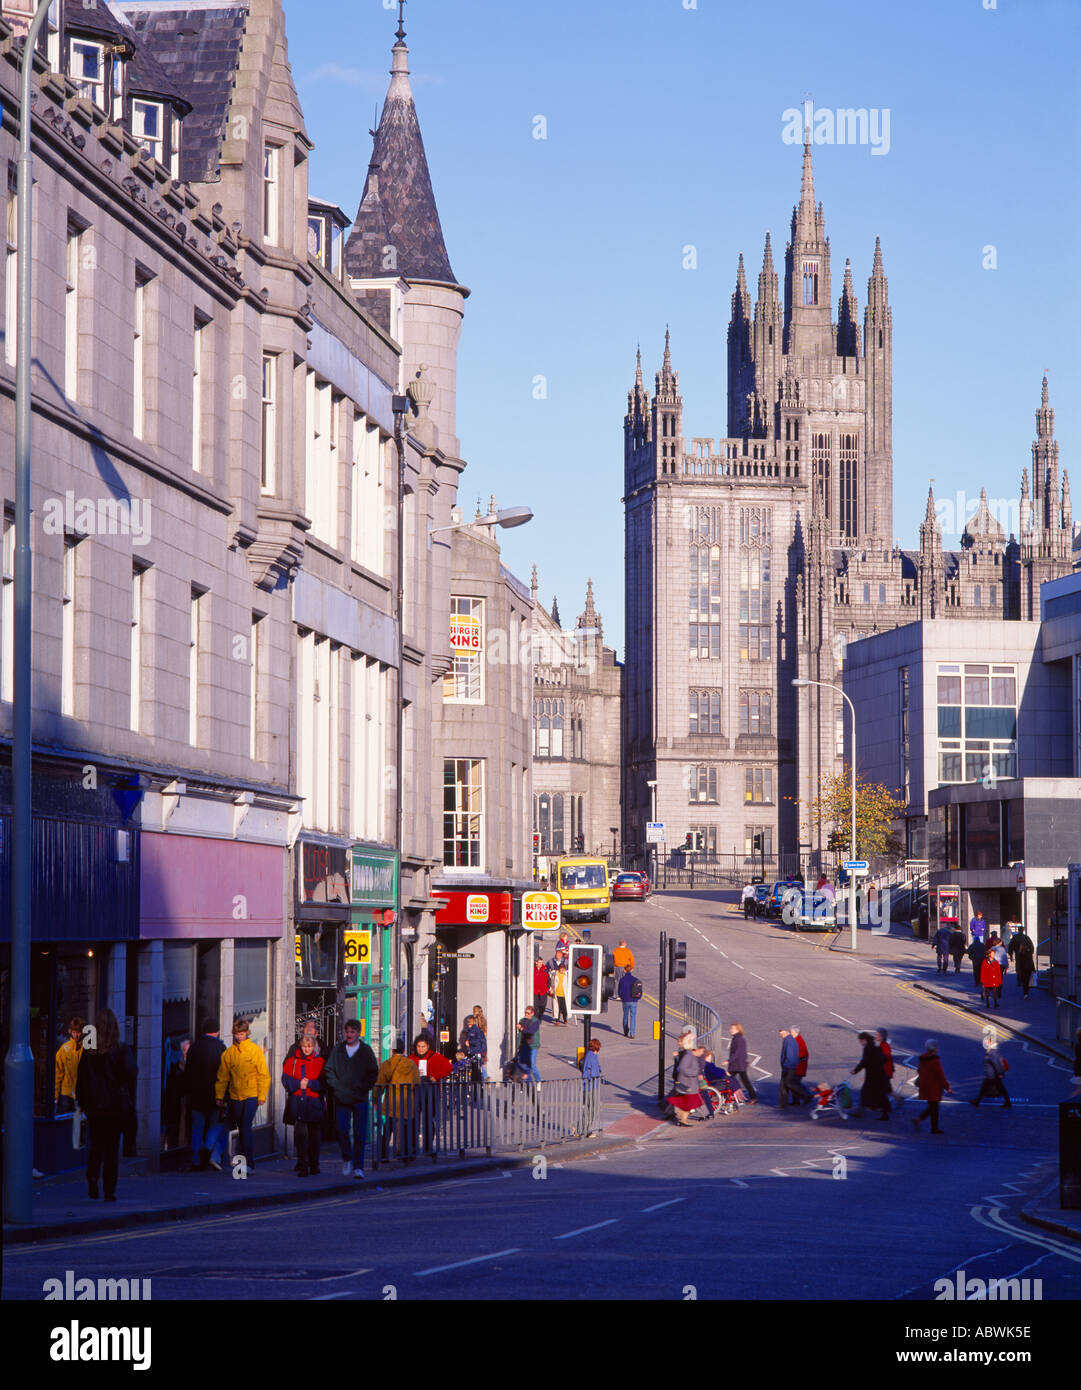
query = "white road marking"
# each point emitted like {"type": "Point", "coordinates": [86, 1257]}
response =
{"type": "Point", "coordinates": [782, 989]}
{"type": "Point", "coordinates": [843, 1019]}
{"type": "Point", "coordinates": [807, 1001]}
{"type": "Point", "coordinates": [657, 1205]}
{"type": "Point", "coordinates": [714, 947]}
{"type": "Point", "coordinates": [757, 975]}
{"type": "Point", "coordinates": [737, 965]}
{"type": "Point", "coordinates": [725, 954]}
{"type": "Point", "coordinates": [459, 1264]}
{"type": "Point", "coordinates": [995, 1221]}
{"type": "Point", "coordinates": [583, 1229]}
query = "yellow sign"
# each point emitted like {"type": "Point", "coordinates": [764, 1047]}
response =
{"type": "Point", "coordinates": [358, 947]}
{"type": "Point", "coordinates": [540, 910]}
{"type": "Point", "coordinates": [656, 1030]}
{"type": "Point", "coordinates": [297, 948]}
{"type": "Point", "coordinates": [464, 633]}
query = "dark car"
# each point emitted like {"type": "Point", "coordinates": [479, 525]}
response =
{"type": "Point", "coordinates": [781, 889]}
{"type": "Point", "coordinates": [761, 899]}
{"type": "Point", "coordinates": [630, 885]}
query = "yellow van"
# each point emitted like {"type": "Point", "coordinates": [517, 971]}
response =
{"type": "Point", "coordinates": [584, 889]}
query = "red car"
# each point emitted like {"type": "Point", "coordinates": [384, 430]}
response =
{"type": "Point", "coordinates": [630, 885]}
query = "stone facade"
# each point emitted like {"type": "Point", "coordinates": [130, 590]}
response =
{"type": "Point", "coordinates": [577, 733]}
{"type": "Point", "coordinates": [756, 558]}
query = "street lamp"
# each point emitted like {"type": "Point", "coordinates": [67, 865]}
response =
{"type": "Point", "coordinates": [799, 682]}
{"type": "Point", "coordinates": [651, 783]}
{"type": "Point", "coordinates": [507, 517]}
{"type": "Point", "coordinates": [19, 1061]}
{"type": "Point", "coordinates": [615, 831]}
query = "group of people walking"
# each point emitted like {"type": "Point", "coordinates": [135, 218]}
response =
{"type": "Point", "coordinates": [695, 1069]}
{"type": "Point", "coordinates": [989, 956]}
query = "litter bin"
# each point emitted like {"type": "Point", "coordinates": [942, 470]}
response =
{"type": "Point", "coordinates": [1069, 1155]}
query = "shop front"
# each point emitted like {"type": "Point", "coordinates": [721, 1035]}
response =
{"type": "Point", "coordinates": [368, 946]}
{"type": "Point", "coordinates": [322, 921]}
{"type": "Point", "coordinates": [478, 960]}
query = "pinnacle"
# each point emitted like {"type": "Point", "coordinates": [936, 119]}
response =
{"type": "Point", "coordinates": [876, 269]}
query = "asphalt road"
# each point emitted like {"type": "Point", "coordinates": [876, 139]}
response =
{"type": "Point", "coordinates": [761, 1205]}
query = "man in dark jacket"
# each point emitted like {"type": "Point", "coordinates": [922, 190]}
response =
{"type": "Point", "coordinates": [976, 953]}
{"type": "Point", "coordinates": [630, 991]}
{"type": "Point", "coordinates": [942, 949]}
{"type": "Point", "coordinates": [350, 1074]}
{"type": "Point", "coordinates": [200, 1073]}
{"type": "Point", "coordinates": [788, 1092]}
{"type": "Point", "coordinates": [1021, 952]}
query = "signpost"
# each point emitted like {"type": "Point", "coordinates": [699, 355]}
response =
{"type": "Point", "coordinates": [655, 832]}
{"type": "Point", "coordinates": [859, 868]}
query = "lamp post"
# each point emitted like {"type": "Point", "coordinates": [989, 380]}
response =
{"type": "Point", "coordinates": [19, 1061]}
{"type": "Point", "coordinates": [652, 785]}
{"type": "Point", "coordinates": [799, 682]}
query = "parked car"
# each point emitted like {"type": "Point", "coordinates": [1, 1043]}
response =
{"type": "Point", "coordinates": [629, 885]}
{"type": "Point", "coordinates": [778, 894]}
{"type": "Point", "coordinates": [812, 910]}
{"type": "Point", "coordinates": [761, 899]}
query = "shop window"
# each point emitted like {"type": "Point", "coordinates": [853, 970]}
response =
{"type": "Point", "coordinates": [250, 1000]}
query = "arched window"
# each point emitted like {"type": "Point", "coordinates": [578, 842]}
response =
{"type": "Point", "coordinates": [557, 730]}
{"type": "Point", "coordinates": [557, 824]}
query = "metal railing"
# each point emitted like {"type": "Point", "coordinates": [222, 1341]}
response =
{"type": "Point", "coordinates": [1067, 1019]}
{"type": "Point", "coordinates": [457, 1118]}
{"type": "Point", "coordinates": [704, 1020]}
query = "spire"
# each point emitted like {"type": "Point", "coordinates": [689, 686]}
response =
{"type": "Point", "coordinates": [876, 269]}
{"type": "Point", "coordinates": [590, 618]}
{"type": "Point", "coordinates": [666, 366]}
{"type": "Point", "coordinates": [848, 333]}
{"type": "Point", "coordinates": [414, 245]}
{"type": "Point", "coordinates": [929, 518]}
{"type": "Point", "coordinates": [555, 611]}
{"type": "Point", "coordinates": [667, 383]}
{"type": "Point", "coordinates": [767, 258]}
{"type": "Point", "coordinates": [638, 369]}
{"type": "Point", "coordinates": [807, 182]}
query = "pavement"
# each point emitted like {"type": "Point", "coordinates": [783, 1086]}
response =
{"type": "Point", "coordinates": [628, 1114]}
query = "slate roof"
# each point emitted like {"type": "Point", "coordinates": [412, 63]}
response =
{"type": "Point", "coordinates": [401, 211]}
{"type": "Point", "coordinates": [96, 20]}
{"type": "Point", "coordinates": [198, 49]}
{"type": "Point", "coordinates": [145, 75]}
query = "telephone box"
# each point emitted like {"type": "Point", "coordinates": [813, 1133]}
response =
{"type": "Point", "coordinates": [945, 902]}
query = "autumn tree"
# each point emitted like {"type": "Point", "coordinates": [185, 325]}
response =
{"type": "Point", "coordinates": [876, 810]}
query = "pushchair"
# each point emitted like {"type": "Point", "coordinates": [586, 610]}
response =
{"type": "Point", "coordinates": [834, 1100]}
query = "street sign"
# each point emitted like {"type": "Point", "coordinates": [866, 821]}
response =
{"type": "Point", "coordinates": [856, 864]}
{"type": "Point", "coordinates": [540, 910]}
{"type": "Point", "coordinates": [1021, 874]}
{"type": "Point", "coordinates": [456, 955]}
{"type": "Point", "coordinates": [655, 832]}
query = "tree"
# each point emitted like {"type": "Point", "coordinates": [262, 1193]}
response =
{"type": "Point", "coordinates": [876, 810]}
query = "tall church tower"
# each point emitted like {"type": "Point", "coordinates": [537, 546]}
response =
{"type": "Point", "coordinates": [1046, 514]}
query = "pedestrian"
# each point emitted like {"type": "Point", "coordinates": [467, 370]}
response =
{"type": "Point", "coordinates": [176, 1099]}
{"type": "Point", "coordinates": [874, 1094]}
{"type": "Point", "coordinates": [103, 1086]}
{"type": "Point", "coordinates": [882, 1038]}
{"type": "Point", "coordinates": [1009, 928]}
{"type": "Point", "coordinates": [995, 1068]}
{"type": "Point", "coordinates": [749, 900]}
{"type": "Point", "coordinates": [1076, 1064]}
{"type": "Point", "coordinates": [630, 991]}
{"type": "Point", "coordinates": [303, 1079]}
{"type": "Point", "coordinates": [623, 960]}
{"type": "Point", "coordinates": [976, 953]}
{"type": "Point", "coordinates": [737, 1061]}
{"type": "Point", "coordinates": [67, 1067]}
{"type": "Point", "coordinates": [431, 1065]}
{"type": "Point", "coordinates": [802, 1094]}
{"type": "Point", "coordinates": [957, 947]}
{"type": "Point", "coordinates": [941, 946]}
{"type": "Point", "coordinates": [591, 1089]}
{"type": "Point", "coordinates": [528, 1044]}
{"type": "Point", "coordinates": [787, 1090]}
{"type": "Point", "coordinates": [542, 983]}
{"type": "Point", "coordinates": [977, 927]}
{"type": "Point", "coordinates": [1022, 953]}
{"type": "Point", "coordinates": [474, 1044]}
{"type": "Point", "coordinates": [930, 1083]}
{"type": "Point", "coordinates": [397, 1080]}
{"type": "Point", "coordinates": [310, 1029]}
{"type": "Point", "coordinates": [996, 949]}
{"type": "Point", "coordinates": [351, 1072]}
{"type": "Point", "coordinates": [425, 1029]}
{"type": "Point", "coordinates": [208, 1133]}
{"type": "Point", "coordinates": [559, 990]}
{"type": "Point", "coordinates": [686, 1097]}
{"type": "Point", "coordinates": [242, 1086]}
{"type": "Point", "coordinates": [991, 980]}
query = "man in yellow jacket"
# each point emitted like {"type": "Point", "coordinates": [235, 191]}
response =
{"type": "Point", "coordinates": [67, 1067]}
{"type": "Point", "coordinates": [243, 1083]}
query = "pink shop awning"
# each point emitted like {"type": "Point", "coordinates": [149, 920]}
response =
{"type": "Point", "coordinates": [193, 887]}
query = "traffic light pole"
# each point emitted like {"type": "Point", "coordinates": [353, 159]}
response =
{"type": "Point", "coordinates": [663, 1011]}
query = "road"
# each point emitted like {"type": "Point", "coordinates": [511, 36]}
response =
{"type": "Point", "coordinates": [761, 1205]}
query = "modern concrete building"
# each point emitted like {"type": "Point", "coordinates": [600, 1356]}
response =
{"type": "Point", "coordinates": [577, 716]}
{"type": "Point", "coordinates": [756, 558]}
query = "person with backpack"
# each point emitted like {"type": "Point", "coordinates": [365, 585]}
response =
{"type": "Point", "coordinates": [737, 1061]}
{"type": "Point", "coordinates": [208, 1133]}
{"type": "Point", "coordinates": [103, 1086]}
{"type": "Point", "coordinates": [995, 1068]}
{"type": "Point", "coordinates": [630, 992]}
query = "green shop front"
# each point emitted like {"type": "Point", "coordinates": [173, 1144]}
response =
{"type": "Point", "coordinates": [369, 945]}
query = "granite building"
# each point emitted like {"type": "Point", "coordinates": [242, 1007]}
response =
{"type": "Point", "coordinates": [756, 558]}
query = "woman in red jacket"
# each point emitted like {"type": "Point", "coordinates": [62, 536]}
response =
{"type": "Point", "coordinates": [930, 1083]}
{"type": "Point", "coordinates": [542, 983]}
{"type": "Point", "coordinates": [991, 980]}
{"type": "Point", "coordinates": [433, 1066]}
{"type": "Point", "coordinates": [302, 1077]}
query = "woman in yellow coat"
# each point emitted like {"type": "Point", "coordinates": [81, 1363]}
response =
{"type": "Point", "coordinates": [67, 1067]}
{"type": "Point", "coordinates": [243, 1084]}
{"type": "Point", "coordinates": [397, 1076]}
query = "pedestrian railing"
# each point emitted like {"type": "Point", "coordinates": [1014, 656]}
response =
{"type": "Point", "coordinates": [1067, 1019]}
{"type": "Point", "coordinates": [704, 1020]}
{"type": "Point", "coordinates": [462, 1117]}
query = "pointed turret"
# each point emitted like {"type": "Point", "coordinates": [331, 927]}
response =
{"type": "Point", "coordinates": [809, 331]}
{"type": "Point", "coordinates": [415, 248]}
{"type": "Point", "coordinates": [878, 367]}
{"type": "Point", "coordinates": [931, 563]}
{"type": "Point", "coordinates": [555, 611]}
{"type": "Point", "coordinates": [589, 618]}
{"type": "Point", "coordinates": [848, 333]}
{"type": "Point", "coordinates": [740, 366]}
{"type": "Point", "coordinates": [667, 413]}
{"type": "Point", "coordinates": [1067, 507]}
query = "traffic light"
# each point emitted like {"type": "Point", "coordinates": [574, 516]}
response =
{"type": "Point", "coordinates": [757, 843]}
{"type": "Point", "coordinates": [677, 960]}
{"type": "Point", "coordinates": [587, 977]}
{"type": "Point", "coordinates": [536, 843]}
{"type": "Point", "coordinates": [699, 840]}
{"type": "Point", "coordinates": [688, 843]}
{"type": "Point", "coordinates": [608, 988]}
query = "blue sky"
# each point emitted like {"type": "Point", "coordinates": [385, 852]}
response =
{"type": "Point", "coordinates": [664, 130]}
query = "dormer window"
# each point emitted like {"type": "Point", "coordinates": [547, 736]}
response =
{"type": "Point", "coordinates": [88, 70]}
{"type": "Point", "coordinates": [325, 236]}
{"type": "Point", "coordinates": [148, 127]}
